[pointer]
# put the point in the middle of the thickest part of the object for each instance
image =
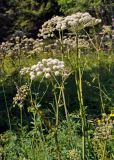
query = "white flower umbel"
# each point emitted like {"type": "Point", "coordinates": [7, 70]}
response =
{"type": "Point", "coordinates": [79, 21]}
{"type": "Point", "coordinates": [74, 22]}
{"type": "Point", "coordinates": [55, 23]}
{"type": "Point", "coordinates": [47, 68]}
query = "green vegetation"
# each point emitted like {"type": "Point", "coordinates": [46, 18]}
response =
{"type": "Point", "coordinates": [70, 6]}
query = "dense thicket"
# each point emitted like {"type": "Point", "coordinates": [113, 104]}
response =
{"type": "Point", "coordinates": [24, 15]}
{"type": "Point", "coordinates": [69, 6]}
{"type": "Point", "coordinates": [100, 8]}
{"type": "Point", "coordinates": [28, 15]}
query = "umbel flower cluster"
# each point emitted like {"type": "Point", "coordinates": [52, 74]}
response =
{"type": "Point", "coordinates": [24, 46]}
{"type": "Point", "coordinates": [50, 26]}
{"type": "Point", "coordinates": [17, 46]}
{"type": "Point", "coordinates": [47, 68]}
{"type": "Point", "coordinates": [70, 42]}
{"type": "Point", "coordinates": [5, 48]}
{"type": "Point", "coordinates": [75, 22]}
{"type": "Point", "coordinates": [106, 30]}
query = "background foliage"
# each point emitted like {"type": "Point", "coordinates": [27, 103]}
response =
{"type": "Point", "coordinates": [26, 16]}
{"type": "Point", "coordinates": [29, 15]}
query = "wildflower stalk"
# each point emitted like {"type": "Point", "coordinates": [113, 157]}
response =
{"type": "Point", "coordinates": [2, 64]}
{"type": "Point", "coordinates": [78, 80]}
{"type": "Point", "coordinates": [19, 56]}
{"type": "Point", "coordinates": [34, 118]}
{"type": "Point", "coordinates": [67, 117]}
{"type": "Point", "coordinates": [97, 48]}
{"type": "Point", "coordinates": [61, 43]}
{"type": "Point", "coordinates": [101, 98]}
{"type": "Point", "coordinates": [57, 101]}
{"type": "Point", "coordinates": [62, 94]}
{"type": "Point", "coordinates": [104, 150]}
{"type": "Point", "coordinates": [42, 138]}
{"type": "Point", "coordinates": [8, 115]}
{"type": "Point", "coordinates": [99, 84]}
{"type": "Point", "coordinates": [30, 89]}
{"type": "Point", "coordinates": [91, 41]}
{"type": "Point", "coordinates": [21, 117]}
{"type": "Point", "coordinates": [64, 102]}
{"type": "Point", "coordinates": [44, 142]}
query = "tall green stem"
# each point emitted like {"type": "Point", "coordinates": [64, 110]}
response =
{"type": "Point", "coordinates": [78, 79]}
{"type": "Point", "coordinates": [99, 85]}
{"type": "Point", "coordinates": [61, 43]}
{"type": "Point", "coordinates": [57, 101]}
{"type": "Point", "coordinates": [104, 150]}
{"type": "Point", "coordinates": [7, 109]}
{"type": "Point", "coordinates": [64, 102]}
{"type": "Point", "coordinates": [21, 117]}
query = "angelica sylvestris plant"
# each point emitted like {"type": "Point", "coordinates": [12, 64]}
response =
{"type": "Point", "coordinates": [51, 69]}
{"type": "Point", "coordinates": [74, 23]}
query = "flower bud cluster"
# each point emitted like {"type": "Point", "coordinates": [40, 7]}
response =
{"type": "Point", "coordinates": [38, 46]}
{"type": "Point", "coordinates": [104, 129]}
{"type": "Point", "coordinates": [21, 95]}
{"type": "Point", "coordinates": [47, 68]}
